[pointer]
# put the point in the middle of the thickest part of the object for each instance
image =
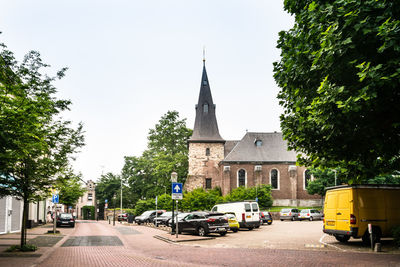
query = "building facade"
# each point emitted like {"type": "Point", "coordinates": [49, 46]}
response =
{"type": "Point", "coordinates": [256, 159]}
{"type": "Point", "coordinates": [88, 199]}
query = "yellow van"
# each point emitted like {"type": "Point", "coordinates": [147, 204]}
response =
{"type": "Point", "coordinates": [349, 209]}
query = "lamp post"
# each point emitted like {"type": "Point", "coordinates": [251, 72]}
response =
{"type": "Point", "coordinates": [335, 177]}
{"type": "Point", "coordinates": [121, 198]}
{"type": "Point", "coordinates": [114, 198]}
{"type": "Point", "coordinates": [174, 178]}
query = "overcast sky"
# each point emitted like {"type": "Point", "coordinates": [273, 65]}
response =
{"type": "Point", "coordinates": [132, 61]}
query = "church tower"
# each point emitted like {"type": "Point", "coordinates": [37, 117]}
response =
{"type": "Point", "coordinates": [206, 146]}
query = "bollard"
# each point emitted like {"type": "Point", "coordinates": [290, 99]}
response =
{"type": "Point", "coordinates": [378, 247]}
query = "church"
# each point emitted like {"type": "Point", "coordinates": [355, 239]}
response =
{"type": "Point", "coordinates": [258, 158]}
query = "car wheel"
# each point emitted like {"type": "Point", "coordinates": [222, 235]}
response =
{"type": "Point", "coordinates": [281, 220]}
{"type": "Point", "coordinates": [250, 228]}
{"type": "Point", "coordinates": [311, 218]}
{"type": "Point", "coordinates": [342, 238]}
{"type": "Point", "coordinates": [269, 223]}
{"type": "Point", "coordinates": [235, 230]}
{"type": "Point", "coordinates": [201, 231]}
{"type": "Point", "coordinates": [222, 233]}
{"type": "Point", "coordinates": [293, 219]}
{"type": "Point", "coordinates": [257, 226]}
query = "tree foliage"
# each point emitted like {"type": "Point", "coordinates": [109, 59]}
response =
{"type": "Point", "coordinates": [36, 145]}
{"type": "Point", "coordinates": [70, 188]}
{"type": "Point", "coordinates": [109, 186]}
{"type": "Point", "coordinates": [263, 193]}
{"type": "Point", "coordinates": [339, 77]}
{"type": "Point", "coordinates": [200, 199]}
{"type": "Point", "coordinates": [149, 175]}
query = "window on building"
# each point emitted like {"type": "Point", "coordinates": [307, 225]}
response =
{"type": "Point", "coordinates": [208, 183]}
{"type": "Point", "coordinates": [90, 196]}
{"type": "Point", "coordinates": [207, 151]}
{"type": "Point", "coordinates": [241, 178]}
{"type": "Point", "coordinates": [274, 179]}
{"type": "Point", "coordinates": [258, 142]}
{"type": "Point", "coordinates": [205, 108]}
{"type": "Point", "coordinates": [307, 178]}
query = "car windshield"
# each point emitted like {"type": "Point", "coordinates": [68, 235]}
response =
{"type": "Point", "coordinates": [182, 215]}
{"type": "Point", "coordinates": [230, 216]}
{"type": "Point", "coordinates": [147, 213]}
{"type": "Point", "coordinates": [66, 216]}
{"type": "Point", "coordinates": [304, 211]}
{"type": "Point", "coordinates": [285, 210]}
{"type": "Point", "coordinates": [166, 214]}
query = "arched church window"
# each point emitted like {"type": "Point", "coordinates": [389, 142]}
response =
{"type": "Point", "coordinates": [307, 178]}
{"type": "Point", "coordinates": [274, 179]}
{"type": "Point", "coordinates": [241, 177]}
{"type": "Point", "coordinates": [207, 151]}
{"type": "Point", "coordinates": [205, 108]}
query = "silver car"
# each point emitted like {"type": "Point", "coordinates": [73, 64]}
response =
{"type": "Point", "coordinates": [289, 214]}
{"type": "Point", "coordinates": [310, 214]}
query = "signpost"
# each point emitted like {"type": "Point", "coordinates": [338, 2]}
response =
{"type": "Point", "coordinates": [177, 194]}
{"type": "Point", "coordinates": [55, 199]}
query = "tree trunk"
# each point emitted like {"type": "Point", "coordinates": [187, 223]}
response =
{"type": "Point", "coordinates": [25, 213]}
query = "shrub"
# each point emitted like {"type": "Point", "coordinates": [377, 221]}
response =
{"type": "Point", "coordinates": [396, 235]}
{"type": "Point", "coordinates": [263, 193]}
{"type": "Point", "coordinates": [24, 248]}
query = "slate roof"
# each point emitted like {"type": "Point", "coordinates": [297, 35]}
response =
{"type": "Point", "coordinates": [205, 125]}
{"type": "Point", "coordinates": [229, 145]}
{"type": "Point", "coordinates": [273, 149]}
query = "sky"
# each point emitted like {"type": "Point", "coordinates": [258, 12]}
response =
{"type": "Point", "coordinates": [130, 62]}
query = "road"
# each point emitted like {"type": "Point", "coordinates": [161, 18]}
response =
{"type": "Point", "coordinates": [100, 244]}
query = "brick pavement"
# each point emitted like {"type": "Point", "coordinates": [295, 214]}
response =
{"type": "Point", "coordinates": [139, 248]}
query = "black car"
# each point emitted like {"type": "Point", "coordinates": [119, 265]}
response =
{"type": "Point", "coordinates": [148, 216]}
{"type": "Point", "coordinates": [65, 219]}
{"type": "Point", "coordinates": [203, 223]}
{"type": "Point", "coordinates": [265, 217]}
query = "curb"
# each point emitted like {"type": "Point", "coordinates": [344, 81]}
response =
{"type": "Point", "coordinates": [165, 239]}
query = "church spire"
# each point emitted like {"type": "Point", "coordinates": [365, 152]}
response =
{"type": "Point", "coordinates": [205, 125]}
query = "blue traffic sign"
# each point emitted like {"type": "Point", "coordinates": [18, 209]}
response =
{"type": "Point", "coordinates": [106, 200]}
{"type": "Point", "coordinates": [55, 198]}
{"type": "Point", "coordinates": [177, 188]}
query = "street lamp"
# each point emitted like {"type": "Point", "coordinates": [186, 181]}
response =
{"type": "Point", "coordinates": [120, 212]}
{"type": "Point", "coordinates": [114, 198]}
{"type": "Point", "coordinates": [174, 178]}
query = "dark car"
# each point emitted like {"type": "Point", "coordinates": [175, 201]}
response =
{"type": "Point", "coordinates": [65, 219]}
{"type": "Point", "coordinates": [266, 217]}
{"type": "Point", "coordinates": [203, 223]}
{"type": "Point", "coordinates": [181, 215]}
{"type": "Point", "coordinates": [148, 216]}
{"type": "Point", "coordinates": [123, 217]}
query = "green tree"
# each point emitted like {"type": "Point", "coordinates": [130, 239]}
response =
{"type": "Point", "coordinates": [70, 189]}
{"type": "Point", "coordinates": [109, 186]}
{"type": "Point", "coordinates": [200, 199]}
{"type": "Point", "coordinates": [35, 143]}
{"type": "Point", "coordinates": [323, 178]}
{"type": "Point", "coordinates": [149, 174]}
{"type": "Point", "coordinates": [339, 77]}
{"type": "Point", "coordinates": [386, 179]}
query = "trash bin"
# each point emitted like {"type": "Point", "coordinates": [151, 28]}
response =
{"type": "Point", "coordinates": [130, 218]}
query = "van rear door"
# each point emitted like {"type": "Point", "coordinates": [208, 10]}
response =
{"type": "Point", "coordinates": [330, 210]}
{"type": "Point", "coordinates": [255, 215]}
{"type": "Point", "coordinates": [343, 210]}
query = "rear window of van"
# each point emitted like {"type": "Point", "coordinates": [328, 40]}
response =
{"type": "Point", "coordinates": [254, 206]}
{"type": "Point", "coordinates": [247, 207]}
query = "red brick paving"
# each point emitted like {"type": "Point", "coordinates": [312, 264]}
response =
{"type": "Point", "coordinates": [144, 250]}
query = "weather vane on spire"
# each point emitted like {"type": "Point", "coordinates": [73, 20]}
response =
{"type": "Point", "coordinates": [204, 53]}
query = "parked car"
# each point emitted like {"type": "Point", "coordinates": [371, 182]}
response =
{"type": "Point", "coordinates": [65, 219]}
{"type": "Point", "coordinates": [233, 222]}
{"type": "Point", "coordinates": [148, 216]}
{"type": "Point", "coordinates": [202, 223]}
{"type": "Point", "coordinates": [247, 212]}
{"type": "Point", "coordinates": [265, 217]}
{"type": "Point", "coordinates": [289, 214]}
{"type": "Point", "coordinates": [181, 215]}
{"type": "Point", "coordinates": [163, 218]}
{"type": "Point", "coordinates": [310, 214]}
{"type": "Point", "coordinates": [123, 217]}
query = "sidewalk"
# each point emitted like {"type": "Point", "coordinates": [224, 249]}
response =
{"type": "Point", "coordinates": [36, 236]}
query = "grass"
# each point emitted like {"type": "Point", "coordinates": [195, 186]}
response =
{"type": "Point", "coordinates": [278, 208]}
{"type": "Point", "coordinates": [25, 248]}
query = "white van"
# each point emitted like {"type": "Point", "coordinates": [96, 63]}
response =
{"type": "Point", "coordinates": [247, 212]}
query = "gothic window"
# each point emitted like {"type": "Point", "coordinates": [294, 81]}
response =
{"type": "Point", "coordinates": [207, 151]}
{"type": "Point", "coordinates": [274, 179]}
{"type": "Point", "coordinates": [208, 183]}
{"type": "Point", "coordinates": [241, 177]}
{"type": "Point", "coordinates": [205, 108]}
{"type": "Point", "coordinates": [307, 178]}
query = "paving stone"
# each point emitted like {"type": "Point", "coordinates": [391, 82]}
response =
{"type": "Point", "coordinates": [44, 241]}
{"type": "Point", "coordinates": [128, 231]}
{"type": "Point", "coordinates": [92, 241]}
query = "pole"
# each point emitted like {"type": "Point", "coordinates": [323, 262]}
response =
{"type": "Point", "coordinates": [156, 213]}
{"type": "Point", "coordinates": [114, 213]}
{"type": "Point", "coordinates": [172, 225]}
{"type": "Point", "coordinates": [54, 218]}
{"type": "Point", "coordinates": [121, 197]}
{"type": "Point", "coordinates": [335, 177]}
{"type": "Point", "coordinates": [176, 231]}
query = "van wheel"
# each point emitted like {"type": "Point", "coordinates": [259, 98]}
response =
{"type": "Point", "coordinates": [311, 218]}
{"type": "Point", "coordinates": [250, 228]}
{"type": "Point", "coordinates": [269, 223]}
{"type": "Point", "coordinates": [201, 231]}
{"type": "Point", "coordinates": [342, 238]}
{"type": "Point", "coordinates": [222, 233]}
{"type": "Point", "coordinates": [281, 220]}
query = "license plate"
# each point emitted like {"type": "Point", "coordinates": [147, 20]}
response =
{"type": "Point", "coordinates": [284, 214]}
{"type": "Point", "coordinates": [269, 220]}
{"type": "Point", "coordinates": [64, 222]}
{"type": "Point", "coordinates": [330, 223]}
{"type": "Point", "coordinates": [221, 229]}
